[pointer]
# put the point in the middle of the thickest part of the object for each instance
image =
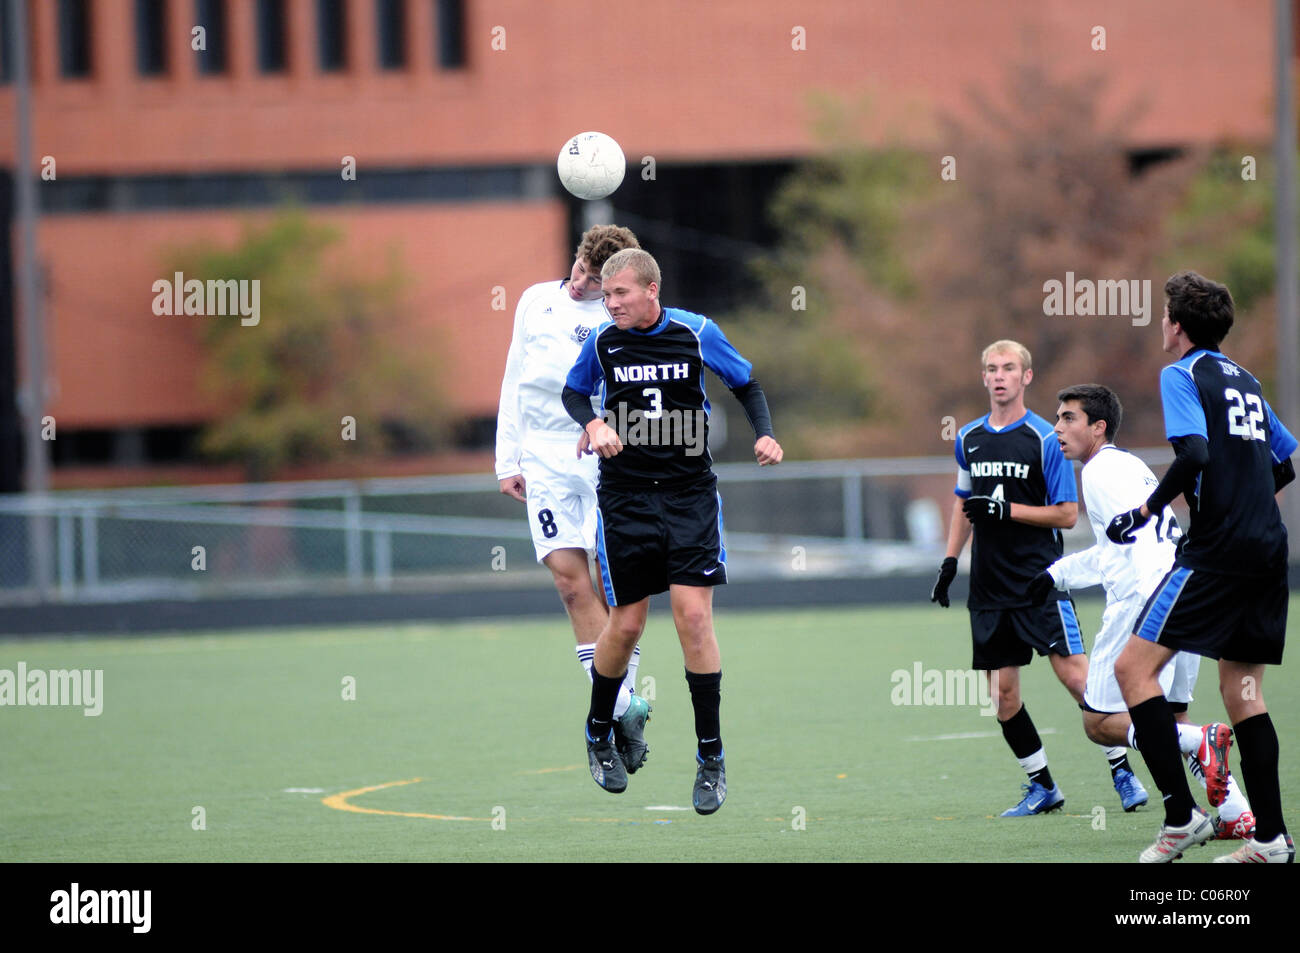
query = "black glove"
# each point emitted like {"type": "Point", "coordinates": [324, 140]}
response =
{"type": "Point", "coordinates": [985, 509]}
{"type": "Point", "coordinates": [1123, 526]}
{"type": "Point", "coordinates": [947, 573]}
{"type": "Point", "coordinates": [1283, 473]}
{"type": "Point", "coordinates": [1040, 587]}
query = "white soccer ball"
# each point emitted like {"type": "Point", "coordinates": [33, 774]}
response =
{"type": "Point", "coordinates": [591, 165]}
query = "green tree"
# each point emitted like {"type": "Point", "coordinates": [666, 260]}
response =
{"type": "Point", "coordinates": [328, 345]}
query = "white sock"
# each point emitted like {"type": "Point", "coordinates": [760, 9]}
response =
{"type": "Point", "coordinates": [1189, 737]}
{"type": "Point", "coordinates": [632, 663]}
{"type": "Point", "coordinates": [1235, 804]}
{"type": "Point", "coordinates": [1132, 736]}
{"type": "Point", "coordinates": [586, 655]}
{"type": "Point", "coordinates": [1035, 762]}
{"type": "Point", "coordinates": [1115, 753]}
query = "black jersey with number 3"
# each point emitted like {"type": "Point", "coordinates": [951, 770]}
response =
{"type": "Point", "coordinates": [651, 384]}
{"type": "Point", "coordinates": [1019, 463]}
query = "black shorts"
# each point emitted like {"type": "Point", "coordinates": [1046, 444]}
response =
{"type": "Point", "coordinates": [1238, 618]}
{"type": "Point", "coordinates": [651, 537]}
{"type": "Point", "coordinates": [1008, 638]}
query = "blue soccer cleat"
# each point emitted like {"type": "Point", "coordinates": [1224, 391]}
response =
{"type": "Point", "coordinates": [1132, 795]}
{"type": "Point", "coordinates": [1037, 800]}
{"type": "Point", "coordinates": [629, 734]}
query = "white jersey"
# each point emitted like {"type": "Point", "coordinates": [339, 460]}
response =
{"type": "Point", "coordinates": [549, 330]}
{"type": "Point", "coordinates": [1115, 481]}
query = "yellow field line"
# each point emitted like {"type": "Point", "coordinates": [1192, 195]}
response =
{"type": "Point", "coordinates": [341, 802]}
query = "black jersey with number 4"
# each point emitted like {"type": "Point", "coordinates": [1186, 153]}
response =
{"type": "Point", "coordinates": [1018, 463]}
{"type": "Point", "coordinates": [1236, 527]}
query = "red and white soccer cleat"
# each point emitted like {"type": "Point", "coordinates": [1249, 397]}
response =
{"type": "Point", "coordinates": [1279, 850]}
{"type": "Point", "coordinates": [1171, 843]}
{"type": "Point", "coordinates": [1242, 828]}
{"type": "Point", "coordinates": [1213, 756]}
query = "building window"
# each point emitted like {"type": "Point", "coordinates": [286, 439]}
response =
{"type": "Point", "coordinates": [272, 36]}
{"type": "Point", "coordinates": [331, 36]}
{"type": "Point", "coordinates": [6, 37]}
{"type": "Point", "coordinates": [450, 40]}
{"type": "Point", "coordinates": [390, 30]}
{"type": "Point", "coordinates": [211, 15]}
{"type": "Point", "coordinates": [151, 37]}
{"type": "Point", "coordinates": [74, 38]}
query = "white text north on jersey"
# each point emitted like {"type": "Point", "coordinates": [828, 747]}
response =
{"type": "Point", "coordinates": [999, 468]}
{"type": "Point", "coordinates": [651, 372]}
{"type": "Point", "coordinates": [659, 428]}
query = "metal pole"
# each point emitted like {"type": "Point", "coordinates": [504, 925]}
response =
{"type": "Point", "coordinates": [1288, 339]}
{"type": "Point", "coordinates": [31, 395]}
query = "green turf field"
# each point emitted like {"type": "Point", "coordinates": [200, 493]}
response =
{"type": "Point", "coordinates": [483, 721]}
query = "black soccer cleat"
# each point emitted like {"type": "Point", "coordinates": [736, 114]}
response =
{"type": "Point", "coordinates": [629, 734]}
{"type": "Point", "coordinates": [710, 784]}
{"type": "Point", "coordinates": [606, 766]}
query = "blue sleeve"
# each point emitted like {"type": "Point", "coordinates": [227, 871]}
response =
{"type": "Point", "coordinates": [723, 359]}
{"type": "Point", "coordinates": [586, 374]}
{"type": "Point", "coordinates": [1184, 415]}
{"type": "Point", "coordinates": [1059, 474]}
{"type": "Point", "coordinates": [1280, 440]}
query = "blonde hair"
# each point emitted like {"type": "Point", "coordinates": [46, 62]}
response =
{"type": "Point", "coordinates": [639, 260]}
{"type": "Point", "coordinates": [1009, 347]}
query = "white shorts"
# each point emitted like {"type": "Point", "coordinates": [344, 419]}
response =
{"type": "Point", "coordinates": [561, 491]}
{"type": "Point", "coordinates": [1102, 694]}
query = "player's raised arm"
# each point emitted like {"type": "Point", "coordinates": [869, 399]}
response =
{"type": "Point", "coordinates": [721, 357]}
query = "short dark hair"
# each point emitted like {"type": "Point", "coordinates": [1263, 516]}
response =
{"type": "Point", "coordinates": [1203, 308]}
{"type": "Point", "coordinates": [600, 242]}
{"type": "Point", "coordinates": [1098, 403]}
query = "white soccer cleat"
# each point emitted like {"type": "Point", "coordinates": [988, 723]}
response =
{"type": "Point", "coordinates": [1171, 843]}
{"type": "Point", "coordinates": [1279, 850]}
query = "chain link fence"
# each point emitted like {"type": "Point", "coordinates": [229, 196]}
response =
{"type": "Point", "coordinates": [801, 519]}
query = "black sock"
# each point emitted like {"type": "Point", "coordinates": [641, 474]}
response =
{"type": "Point", "coordinates": [1119, 764]}
{"type": "Point", "coordinates": [1022, 737]}
{"type": "Point", "coordinates": [1153, 722]}
{"type": "Point", "coordinates": [604, 693]}
{"type": "Point", "coordinates": [706, 697]}
{"type": "Point", "coordinates": [1257, 754]}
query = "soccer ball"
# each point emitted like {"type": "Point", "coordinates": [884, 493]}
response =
{"type": "Point", "coordinates": [591, 165]}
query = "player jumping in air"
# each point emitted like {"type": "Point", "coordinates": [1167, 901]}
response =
{"type": "Point", "coordinates": [660, 519]}
{"type": "Point", "coordinates": [1017, 492]}
{"type": "Point", "coordinates": [535, 462]}
{"type": "Point", "coordinates": [1226, 595]}
{"type": "Point", "coordinates": [1114, 481]}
